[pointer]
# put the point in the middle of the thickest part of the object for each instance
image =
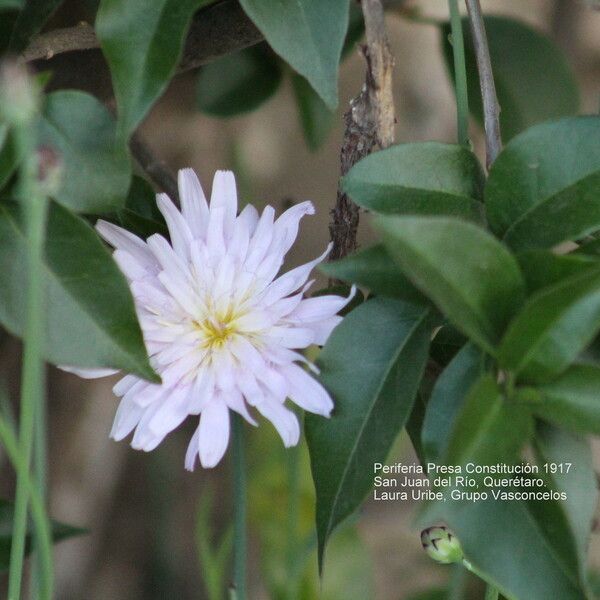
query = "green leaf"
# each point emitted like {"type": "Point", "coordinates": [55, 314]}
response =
{"type": "Point", "coordinates": [96, 169]}
{"type": "Point", "coordinates": [142, 42]}
{"type": "Point", "coordinates": [489, 429]}
{"type": "Point", "coordinates": [374, 269]}
{"type": "Point", "coordinates": [507, 543]}
{"type": "Point", "coordinates": [140, 214]}
{"type": "Point", "coordinates": [427, 178]}
{"type": "Point", "coordinates": [60, 531]}
{"type": "Point", "coordinates": [539, 192]}
{"type": "Point", "coordinates": [8, 158]}
{"type": "Point", "coordinates": [469, 275]}
{"type": "Point", "coordinates": [571, 400]}
{"type": "Point", "coordinates": [315, 116]}
{"type": "Point", "coordinates": [239, 82]}
{"type": "Point", "coordinates": [90, 318]}
{"type": "Point", "coordinates": [579, 483]}
{"type": "Point", "coordinates": [309, 35]}
{"type": "Point", "coordinates": [447, 399]}
{"type": "Point", "coordinates": [30, 21]}
{"type": "Point", "coordinates": [542, 268]}
{"type": "Point", "coordinates": [372, 365]}
{"type": "Point", "coordinates": [11, 4]}
{"type": "Point", "coordinates": [533, 81]}
{"type": "Point", "coordinates": [553, 327]}
{"type": "Point", "coordinates": [446, 344]}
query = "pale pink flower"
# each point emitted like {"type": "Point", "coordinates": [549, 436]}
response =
{"type": "Point", "coordinates": [221, 329]}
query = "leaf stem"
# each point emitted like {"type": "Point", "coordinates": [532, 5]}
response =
{"type": "Point", "coordinates": [491, 108]}
{"type": "Point", "coordinates": [460, 74]}
{"type": "Point", "coordinates": [34, 207]}
{"type": "Point", "coordinates": [239, 522]}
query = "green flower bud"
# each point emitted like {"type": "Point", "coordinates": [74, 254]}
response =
{"type": "Point", "coordinates": [441, 545]}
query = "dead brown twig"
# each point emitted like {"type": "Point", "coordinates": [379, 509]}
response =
{"type": "Point", "coordinates": [369, 123]}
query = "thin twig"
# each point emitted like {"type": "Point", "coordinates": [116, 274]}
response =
{"type": "Point", "coordinates": [491, 108]}
{"type": "Point", "coordinates": [216, 30]}
{"type": "Point", "coordinates": [369, 123]}
{"type": "Point", "coordinates": [158, 172]}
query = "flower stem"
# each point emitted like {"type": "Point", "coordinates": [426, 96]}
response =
{"type": "Point", "coordinates": [460, 74]}
{"type": "Point", "coordinates": [491, 592]}
{"type": "Point", "coordinates": [38, 512]}
{"type": "Point", "coordinates": [239, 523]}
{"type": "Point", "coordinates": [292, 520]}
{"type": "Point", "coordinates": [34, 208]}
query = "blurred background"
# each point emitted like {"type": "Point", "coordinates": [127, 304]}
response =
{"type": "Point", "coordinates": [156, 531]}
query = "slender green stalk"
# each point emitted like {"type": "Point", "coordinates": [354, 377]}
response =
{"type": "Point", "coordinates": [38, 512]}
{"type": "Point", "coordinates": [458, 583]}
{"type": "Point", "coordinates": [33, 206]}
{"type": "Point", "coordinates": [491, 592]}
{"type": "Point", "coordinates": [293, 473]}
{"type": "Point", "coordinates": [40, 447]}
{"type": "Point", "coordinates": [460, 74]}
{"type": "Point", "coordinates": [240, 533]}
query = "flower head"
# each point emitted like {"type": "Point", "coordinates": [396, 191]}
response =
{"type": "Point", "coordinates": [222, 329]}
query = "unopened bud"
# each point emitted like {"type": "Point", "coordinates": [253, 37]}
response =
{"type": "Point", "coordinates": [19, 94]}
{"type": "Point", "coordinates": [441, 545]}
{"type": "Point", "coordinates": [50, 170]}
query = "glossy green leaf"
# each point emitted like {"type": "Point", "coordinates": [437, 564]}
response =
{"type": "Point", "coordinates": [541, 192]}
{"type": "Point", "coordinates": [447, 399]}
{"type": "Point", "coordinates": [90, 318]}
{"type": "Point", "coordinates": [316, 117]}
{"type": "Point", "coordinates": [374, 269]}
{"type": "Point", "coordinates": [488, 429]}
{"type": "Point", "coordinates": [30, 21]}
{"type": "Point", "coordinates": [427, 178]}
{"type": "Point", "coordinates": [308, 34]}
{"type": "Point", "coordinates": [553, 327]}
{"type": "Point", "coordinates": [542, 268]}
{"type": "Point", "coordinates": [571, 400]}
{"type": "Point", "coordinates": [469, 275]}
{"type": "Point", "coordinates": [579, 483]}
{"type": "Point", "coordinates": [142, 42]}
{"type": "Point", "coordinates": [60, 531]}
{"type": "Point", "coordinates": [533, 81]}
{"type": "Point", "coordinates": [239, 82]}
{"type": "Point", "coordinates": [96, 168]}
{"type": "Point", "coordinates": [372, 365]}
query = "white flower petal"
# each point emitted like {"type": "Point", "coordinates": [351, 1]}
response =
{"type": "Point", "coordinates": [319, 308]}
{"type": "Point", "coordinates": [179, 232]}
{"type": "Point", "coordinates": [307, 392]}
{"type": "Point", "coordinates": [283, 419]}
{"type": "Point", "coordinates": [121, 239]}
{"type": "Point", "coordinates": [193, 202]}
{"type": "Point", "coordinates": [248, 218]}
{"type": "Point", "coordinates": [88, 373]}
{"type": "Point", "coordinates": [127, 417]}
{"type": "Point", "coordinates": [213, 432]}
{"type": "Point", "coordinates": [289, 222]}
{"type": "Point", "coordinates": [193, 449]}
{"type": "Point", "coordinates": [235, 401]}
{"type": "Point", "coordinates": [292, 280]}
{"type": "Point", "coordinates": [224, 195]}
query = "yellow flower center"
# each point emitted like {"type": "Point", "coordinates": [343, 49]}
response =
{"type": "Point", "coordinates": [217, 329]}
